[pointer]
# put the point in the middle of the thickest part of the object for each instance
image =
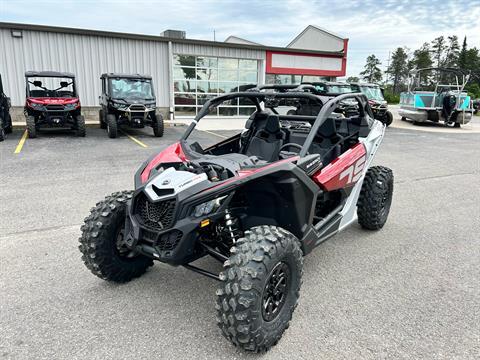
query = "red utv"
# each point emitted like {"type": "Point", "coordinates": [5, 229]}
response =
{"type": "Point", "coordinates": [257, 202]}
{"type": "Point", "coordinates": [52, 102]}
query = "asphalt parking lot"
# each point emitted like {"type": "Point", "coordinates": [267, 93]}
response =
{"type": "Point", "coordinates": [410, 290]}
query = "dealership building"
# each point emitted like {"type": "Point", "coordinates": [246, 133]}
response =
{"type": "Point", "coordinates": [186, 72]}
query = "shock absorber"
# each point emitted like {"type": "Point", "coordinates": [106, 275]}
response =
{"type": "Point", "coordinates": [231, 224]}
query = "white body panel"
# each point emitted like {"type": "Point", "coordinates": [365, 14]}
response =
{"type": "Point", "coordinates": [371, 143]}
{"type": "Point", "coordinates": [171, 179]}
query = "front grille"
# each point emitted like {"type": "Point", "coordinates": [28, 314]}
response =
{"type": "Point", "coordinates": [55, 107]}
{"type": "Point", "coordinates": [169, 240]}
{"type": "Point", "coordinates": [155, 215]}
{"type": "Point", "coordinates": [165, 242]}
{"type": "Point", "coordinates": [138, 115]}
{"type": "Point", "coordinates": [137, 108]}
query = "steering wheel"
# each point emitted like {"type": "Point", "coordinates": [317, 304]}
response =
{"type": "Point", "coordinates": [299, 147]}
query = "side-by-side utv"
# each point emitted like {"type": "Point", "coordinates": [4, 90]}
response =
{"type": "Point", "coordinates": [437, 94]}
{"type": "Point", "coordinates": [128, 99]}
{"type": "Point", "coordinates": [257, 202]}
{"type": "Point", "coordinates": [376, 99]}
{"type": "Point", "coordinates": [5, 118]}
{"type": "Point", "coordinates": [52, 102]}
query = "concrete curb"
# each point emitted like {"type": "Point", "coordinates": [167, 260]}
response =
{"type": "Point", "coordinates": [94, 124]}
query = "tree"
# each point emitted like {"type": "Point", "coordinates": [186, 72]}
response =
{"type": "Point", "coordinates": [352, 79]}
{"type": "Point", "coordinates": [472, 60]}
{"type": "Point", "coordinates": [452, 54]}
{"type": "Point", "coordinates": [421, 59]}
{"type": "Point", "coordinates": [462, 57]}
{"type": "Point", "coordinates": [372, 72]}
{"type": "Point", "coordinates": [398, 68]}
{"type": "Point", "coordinates": [438, 49]}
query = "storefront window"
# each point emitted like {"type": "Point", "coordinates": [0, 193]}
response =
{"type": "Point", "coordinates": [200, 78]}
{"type": "Point", "coordinates": [293, 79]}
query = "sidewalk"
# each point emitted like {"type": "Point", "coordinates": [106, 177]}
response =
{"type": "Point", "coordinates": [204, 124]}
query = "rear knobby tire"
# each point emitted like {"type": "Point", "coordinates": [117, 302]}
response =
{"type": "Point", "coordinates": [31, 128]}
{"type": "Point", "coordinates": [81, 128]}
{"type": "Point", "coordinates": [112, 125]}
{"type": "Point", "coordinates": [8, 124]}
{"type": "Point", "coordinates": [240, 297]}
{"type": "Point", "coordinates": [101, 116]}
{"type": "Point", "coordinates": [388, 118]}
{"type": "Point", "coordinates": [375, 198]}
{"type": "Point", "coordinates": [2, 130]}
{"type": "Point", "coordinates": [158, 126]}
{"type": "Point", "coordinates": [99, 243]}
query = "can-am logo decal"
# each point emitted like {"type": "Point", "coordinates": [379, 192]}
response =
{"type": "Point", "coordinates": [354, 171]}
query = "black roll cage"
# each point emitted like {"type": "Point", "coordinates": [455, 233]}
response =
{"type": "Point", "coordinates": [256, 96]}
{"type": "Point", "coordinates": [108, 85]}
{"type": "Point", "coordinates": [29, 75]}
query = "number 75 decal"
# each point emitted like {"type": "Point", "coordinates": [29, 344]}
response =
{"type": "Point", "coordinates": [354, 171]}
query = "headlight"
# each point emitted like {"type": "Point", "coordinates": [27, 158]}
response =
{"type": "Point", "coordinates": [70, 107]}
{"type": "Point", "coordinates": [151, 106]}
{"type": "Point", "coordinates": [36, 106]}
{"type": "Point", "coordinates": [120, 106]}
{"type": "Point", "coordinates": [208, 207]}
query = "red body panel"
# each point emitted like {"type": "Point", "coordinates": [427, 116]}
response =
{"type": "Point", "coordinates": [344, 171]}
{"type": "Point", "coordinates": [53, 101]}
{"type": "Point", "coordinates": [172, 154]}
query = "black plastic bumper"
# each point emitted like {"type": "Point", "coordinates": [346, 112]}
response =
{"type": "Point", "coordinates": [175, 245]}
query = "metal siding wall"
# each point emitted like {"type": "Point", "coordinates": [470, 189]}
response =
{"type": "Point", "coordinates": [193, 49]}
{"type": "Point", "coordinates": [86, 56]}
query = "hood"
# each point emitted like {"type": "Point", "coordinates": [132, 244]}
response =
{"type": "Point", "coordinates": [130, 101]}
{"type": "Point", "coordinates": [52, 100]}
{"type": "Point", "coordinates": [377, 102]}
{"type": "Point", "coordinates": [171, 182]}
{"type": "Point", "coordinates": [172, 154]}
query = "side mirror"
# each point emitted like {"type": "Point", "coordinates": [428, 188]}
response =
{"type": "Point", "coordinates": [63, 84]}
{"type": "Point", "coordinates": [37, 83]}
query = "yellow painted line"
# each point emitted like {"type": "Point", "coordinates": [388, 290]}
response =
{"type": "Point", "coordinates": [134, 139]}
{"type": "Point", "coordinates": [211, 132]}
{"type": "Point", "coordinates": [21, 142]}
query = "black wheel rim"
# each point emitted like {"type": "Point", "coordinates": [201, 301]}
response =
{"type": "Point", "coordinates": [275, 291]}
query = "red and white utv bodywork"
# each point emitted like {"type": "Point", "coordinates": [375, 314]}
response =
{"type": "Point", "coordinates": [52, 102]}
{"type": "Point", "coordinates": [249, 202]}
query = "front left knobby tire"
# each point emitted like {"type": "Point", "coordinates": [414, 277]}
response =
{"type": "Point", "coordinates": [259, 288]}
{"type": "Point", "coordinates": [388, 118]}
{"type": "Point", "coordinates": [102, 243]}
{"type": "Point", "coordinates": [112, 126]}
{"type": "Point", "coordinates": [375, 198]}
{"type": "Point", "coordinates": [158, 126]}
{"type": "Point", "coordinates": [31, 128]}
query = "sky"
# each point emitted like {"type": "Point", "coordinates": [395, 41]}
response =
{"type": "Point", "coordinates": [372, 26]}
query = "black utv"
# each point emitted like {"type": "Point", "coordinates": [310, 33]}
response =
{"type": "Point", "coordinates": [5, 119]}
{"type": "Point", "coordinates": [376, 99]}
{"type": "Point", "coordinates": [128, 100]}
{"type": "Point", "coordinates": [327, 90]}
{"type": "Point", "coordinates": [52, 102]}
